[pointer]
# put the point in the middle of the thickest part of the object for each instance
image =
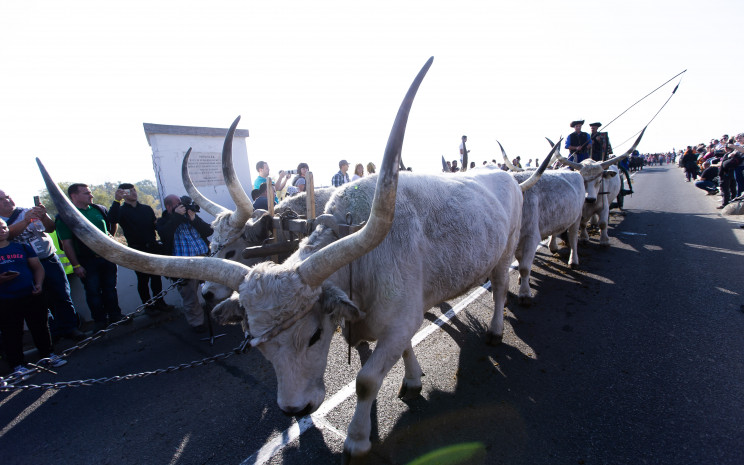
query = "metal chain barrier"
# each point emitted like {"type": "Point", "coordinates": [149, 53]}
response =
{"type": "Point", "coordinates": [7, 384]}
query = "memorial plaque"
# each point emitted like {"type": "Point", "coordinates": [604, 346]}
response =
{"type": "Point", "coordinates": [205, 169]}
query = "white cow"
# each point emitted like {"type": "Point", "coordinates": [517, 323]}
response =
{"type": "Point", "coordinates": [602, 187]}
{"type": "Point", "coordinates": [550, 208]}
{"type": "Point", "coordinates": [404, 261]}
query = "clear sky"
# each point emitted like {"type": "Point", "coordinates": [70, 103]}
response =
{"type": "Point", "coordinates": [320, 81]}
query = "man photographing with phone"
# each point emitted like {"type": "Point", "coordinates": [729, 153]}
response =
{"type": "Point", "coordinates": [137, 221]}
{"type": "Point", "coordinates": [21, 278]}
{"type": "Point", "coordinates": [30, 226]}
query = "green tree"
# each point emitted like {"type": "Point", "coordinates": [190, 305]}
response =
{"type": "Point", "coordinates": [103, 194]}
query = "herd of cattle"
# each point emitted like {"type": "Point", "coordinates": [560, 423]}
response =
{"type": "Point", "coordinates": [361, 281]}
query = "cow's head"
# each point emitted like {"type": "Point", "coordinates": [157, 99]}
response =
{"type": "Point", "coordinates": [291, 309]}
{"type": "Point", "coordinates": [595, 172]}
{"type": "Point", "coordinates": [229, 243]}
{"type": "Point", "coordinates": [232, 232]}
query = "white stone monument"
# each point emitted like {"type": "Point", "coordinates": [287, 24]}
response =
{"type": "Point", "coordinates": [170, 144]}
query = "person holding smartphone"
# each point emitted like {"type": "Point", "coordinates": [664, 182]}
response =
{"type": "Point", "coordinates": [137, 221]}
{"type": "Point", "coordinates": [30, 226]}
{"type": "Point", "coordinates": [21, 278]}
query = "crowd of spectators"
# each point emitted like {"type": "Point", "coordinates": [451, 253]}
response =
{"type": "Point", "coordinates": [719, 166]}
{"type": "Point", "coordinates": [36, 268]}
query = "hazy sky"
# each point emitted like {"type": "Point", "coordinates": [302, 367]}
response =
{"type": "Point", "coordinates": [321, 81]}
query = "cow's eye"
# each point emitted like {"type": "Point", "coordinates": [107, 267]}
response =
{"type": "Point", "coordinates": [316, 337]}
{"type": "Point", "coordinates": [230, 254]}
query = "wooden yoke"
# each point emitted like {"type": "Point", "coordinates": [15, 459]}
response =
{"type": "Point", "coordinates": [270, 202]}
{"type": "Point", "coordinates": [299, 226]}
{"type": "Point", "coordinates": [310, 197]}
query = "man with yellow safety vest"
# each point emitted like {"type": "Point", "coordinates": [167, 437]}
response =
{"type": "Point", "coordinates": [66, 265]}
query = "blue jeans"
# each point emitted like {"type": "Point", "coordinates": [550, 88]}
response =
{"type": "Point", "coordinates": [100, 289]}
{"type": "Point", "coordinates": [739, 176]}
{"type": "Point", "coordinates": [706, 185]}
{"type": "Point", "coordinates": [56, 291]}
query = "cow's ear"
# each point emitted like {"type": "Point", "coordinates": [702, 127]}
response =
{"type": "Point", "coordinates": [609, 173]}
{"type": "Point", "coordinates": [229, 312]}
{"type": "Point", "coordinates": [336, 303]}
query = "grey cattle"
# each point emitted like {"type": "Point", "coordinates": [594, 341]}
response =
{"type": "Point", "coordinates": [602, 186]}
{"type": "Point", "coordinates": [404, 261]}
{"type": "Point", "coordinates": [550, 208]}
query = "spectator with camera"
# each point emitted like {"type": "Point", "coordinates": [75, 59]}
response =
{"type": "Point", "coordinates": [184, 234]}
{"type": "Point", "coordinates": [300, 181]}
{"type": "Point", "coordinates": [138, 224]}
{"type": "Point", "coordinates": [263, 172]}
{"type": "Point", "coordinates": [21, 278]}
{"type": "Point", "coordinates": [31, 226]}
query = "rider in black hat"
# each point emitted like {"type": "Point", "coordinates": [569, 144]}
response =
{"type": "Point", "coordinates": [578, 143]}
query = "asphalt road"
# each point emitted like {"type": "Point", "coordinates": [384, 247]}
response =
{"type": "Point", "coordinates": [635, 358]}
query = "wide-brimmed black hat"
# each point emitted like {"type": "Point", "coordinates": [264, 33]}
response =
{"type": "Point", "coordinates": [595, 125]}
{"type": "Point", "coordinates": [574, 123]}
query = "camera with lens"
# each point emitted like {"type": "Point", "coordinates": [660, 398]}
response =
{"type": "Point", "coordinates": [189, 204]}
{"type": "Point", "coordinates": [291, 171]}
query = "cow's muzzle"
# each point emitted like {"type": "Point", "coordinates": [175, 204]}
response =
{"type": "Point", "coordinates": [590, 200]}
{"type": "Point", "coordinates": [298, 411]}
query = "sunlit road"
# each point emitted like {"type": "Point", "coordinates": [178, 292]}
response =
{"type": "Point", "coordinates": [637, 357]}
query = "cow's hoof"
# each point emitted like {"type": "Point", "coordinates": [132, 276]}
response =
{"type": "Point", "coordinates": [355, 449]}
{"type": "Point", "coordinates": [524, 300]}
{"type": "Point", "coordinates": [408, 392]}
{"type": "Point", "coordinates": [573, 266]}
{"type": "Point", "coordinates": [604, 245]}
{"type": "Point", "coordinates": [494, 340]}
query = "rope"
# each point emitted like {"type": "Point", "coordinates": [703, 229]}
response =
{"type": "Point", "coordinates": [657, 113]}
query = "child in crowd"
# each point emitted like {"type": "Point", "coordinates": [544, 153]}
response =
{"type": "Point", "coordinates": [21, 276]}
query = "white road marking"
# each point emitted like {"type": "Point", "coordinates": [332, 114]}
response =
{"type": "Point", "coordinates": [28, 411]}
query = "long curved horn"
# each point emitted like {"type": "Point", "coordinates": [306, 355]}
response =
{"type": "Point", "coordinates": [320, 265]}
{"type": "Point", "coordinates": [243, 204]}
{"type": "Point", "coordinates": [532, 180]}
{"type": "Point", "coordinates": [228, 273]}
{"type": "Point", "coordinates": [506, 159]}
{"type": "Point", "coordinates": [557, 154]}
{"type": "Point", "coordinates": [572, 164]}
{"type": "Point", "coordinates": [211, 207]}
{"type": "Point", "coordinates": [612, 161]}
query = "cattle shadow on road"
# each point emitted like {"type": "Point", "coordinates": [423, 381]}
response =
{"type": "Point", "coordinates": [453, 409]}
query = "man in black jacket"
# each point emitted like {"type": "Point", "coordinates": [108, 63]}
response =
{"type": "Point", "coordinates": [709, 178]}
{"type": "Point", "coordinates": [138, 223]}
{"type": "Point", "coordinates": [184, 234]}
